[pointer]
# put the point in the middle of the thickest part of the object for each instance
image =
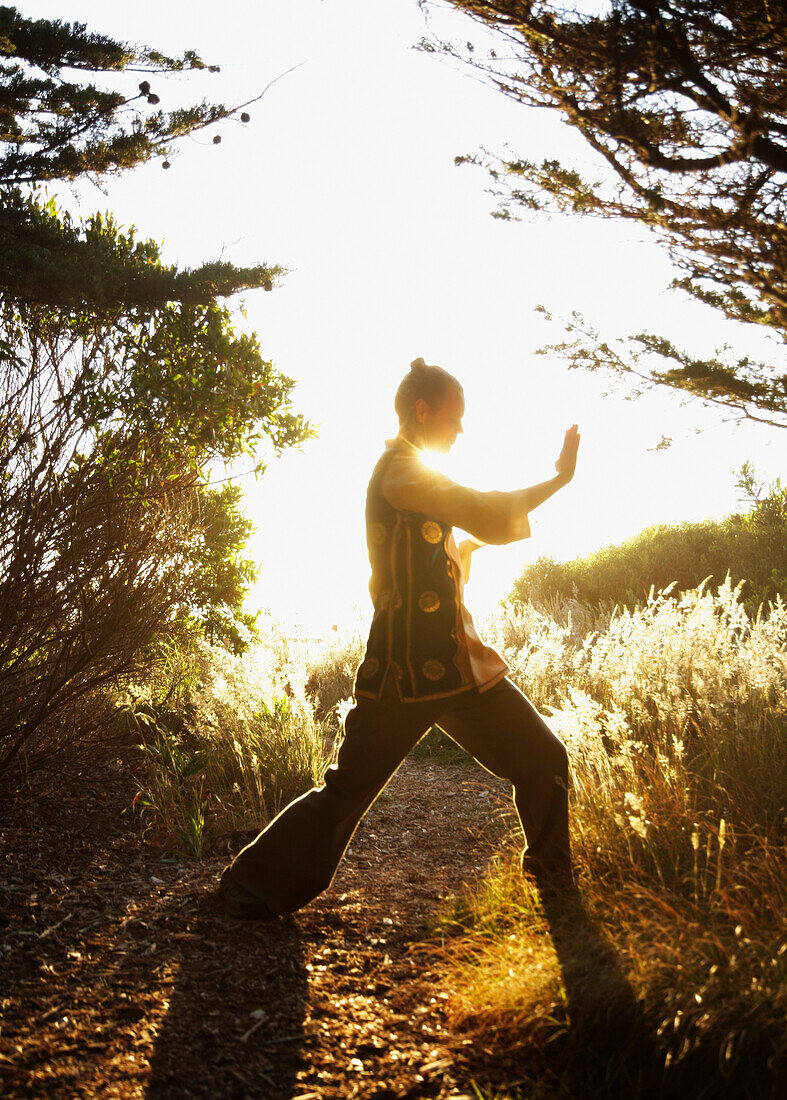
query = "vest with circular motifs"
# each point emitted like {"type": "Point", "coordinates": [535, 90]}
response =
{"type": "Point", "coordinates": [416, 631]}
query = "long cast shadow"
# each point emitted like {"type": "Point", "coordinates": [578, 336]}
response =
{"type": "Point", "coordinates": [610, 1049]}
{"type": "Point", "coordinates": [234, 1027]}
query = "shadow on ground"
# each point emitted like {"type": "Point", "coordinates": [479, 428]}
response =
{"type": "Point", "coordinates": [609, 1047]}
{"type": "Point", "coordinates": [614, 1050]}
{"type": "Point", "coordinates": [119, 974]}
{"type": "Point", "coordinates": [234, 1024]}
{"type": "Point", "coordinates": [601, 1043]}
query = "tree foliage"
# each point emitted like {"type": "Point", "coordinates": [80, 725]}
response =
{"type": "Point", "coordinates": [58, 127]}
{"type": "Point", "coordinates": [109, 538]}
{"type": "Point", "coordinates": [685, 104]}
{"type": "Point", "coordinates": [60, 123]}
{"type": "Point", "coordinates": [223, 573]}
{"type": "Point", "coordinates": [48, 258]}
{"type": "Point", "coordinates": [123, 380]}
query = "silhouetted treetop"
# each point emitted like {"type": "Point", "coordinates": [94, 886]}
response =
{"type": "Point", "coordinates": [685, 103]}
{"type": "Point", "coordinates": [58, 127]}
{"type": "Point", "coordinates": [58, 124]}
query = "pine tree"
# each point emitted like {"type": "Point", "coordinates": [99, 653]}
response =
{"type": "Point", "coordinates": [685, 104]}
{"type": "Point", "coordinates": [58, 125]}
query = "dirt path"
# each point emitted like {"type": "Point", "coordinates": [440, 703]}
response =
{"type": "Point", "coordinates": [122, 978]}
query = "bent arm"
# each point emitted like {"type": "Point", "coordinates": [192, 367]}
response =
{"type": "Point", "coordinates": [494, 517]}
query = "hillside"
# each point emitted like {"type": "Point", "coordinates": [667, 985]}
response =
{"type": "Point", "coordinates": [751, 547]}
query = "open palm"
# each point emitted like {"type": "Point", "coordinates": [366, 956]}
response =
{"type": "Point", "coordinates": [567, 460]}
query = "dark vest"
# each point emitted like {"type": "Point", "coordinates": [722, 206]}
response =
{"type": "Point", "coordinates": [416, 632]}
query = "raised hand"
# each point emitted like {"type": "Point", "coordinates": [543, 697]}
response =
{"type": "Point", "coordinates": [567, 460]}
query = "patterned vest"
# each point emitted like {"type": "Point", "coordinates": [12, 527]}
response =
{"type": "Point", "coordinates": [416, 634]}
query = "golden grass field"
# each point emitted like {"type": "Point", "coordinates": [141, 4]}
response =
{"type": "Point", "coordinates": [674, 714]}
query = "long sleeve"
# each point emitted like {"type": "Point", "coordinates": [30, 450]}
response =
{"type": "Point", "coordinates": [495, 517]}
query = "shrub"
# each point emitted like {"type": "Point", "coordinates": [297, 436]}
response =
{"type": "Point", "coordinates": [88, 578]}
{"type": "Point", "coordinates": [109, 535]}
{"type": "Point", "coordinates": [751, 546]}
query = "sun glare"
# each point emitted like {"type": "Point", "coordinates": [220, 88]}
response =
{"type": "Point", "coordinates": [435, 461]}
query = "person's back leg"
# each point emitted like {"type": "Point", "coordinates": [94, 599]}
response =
{"type": "Point", "coordinates": [295, 858]}
{"type": "Point", "coordinates": [505, 733]}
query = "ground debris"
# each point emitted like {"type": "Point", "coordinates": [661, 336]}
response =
{"type": "Point", "coordinates": [121, 977]}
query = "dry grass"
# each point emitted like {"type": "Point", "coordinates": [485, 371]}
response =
{"type": "Point", "coordinates": [675, 716]}
{"type": "Point", "coordinates": [330, 668]}
{"type": "Point", "coordinates": [229, 740]}
{"type": "Point", "coordinates": [668, 980]}
{"type": "Point", "coordinates": [644, 995]}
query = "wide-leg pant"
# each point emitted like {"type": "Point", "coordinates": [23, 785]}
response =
{"type": "Point", "coordinates": [295, 858]}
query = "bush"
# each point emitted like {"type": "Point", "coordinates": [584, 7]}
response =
{"type": "Point", "coordinates": [89, 577]}
{"type": "Point", "coordinates": [752, 546]}
{"type": "Point", "coordinates": [110, 538]}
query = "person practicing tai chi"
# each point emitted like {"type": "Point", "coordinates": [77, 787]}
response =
{"type": "Point", "coordinates": [424, 665]}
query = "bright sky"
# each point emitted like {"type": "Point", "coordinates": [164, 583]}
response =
{"type": "Point", "coordinates": [345, 177]}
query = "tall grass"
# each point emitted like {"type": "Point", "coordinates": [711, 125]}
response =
{"type": "Point", "coordinates": [674, 714]}
{"type": "Point", "coordinates": [228, 741]}
{"type": "Point", "coordinates": [329, 671]}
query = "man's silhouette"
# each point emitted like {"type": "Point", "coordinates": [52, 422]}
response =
{"type": "Point", "coordinates": [424, 665]}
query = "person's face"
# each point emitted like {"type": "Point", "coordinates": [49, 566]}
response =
{"type": "Point", "coordinates": [442, 424]}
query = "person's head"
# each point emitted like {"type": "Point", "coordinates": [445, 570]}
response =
{"type": "Point", "coordinates": [430, 404]}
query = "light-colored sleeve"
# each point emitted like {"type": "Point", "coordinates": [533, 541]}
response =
{"type": "Point", "coordinates": [496, 517]}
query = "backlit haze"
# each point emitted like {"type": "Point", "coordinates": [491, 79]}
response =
{"type": "Point", "coordinates": [345, 176]}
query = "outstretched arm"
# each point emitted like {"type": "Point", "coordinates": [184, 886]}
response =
{"type": "Point", "coordinates": [565, 466]}
{"type": "Point", "coordinates": [536, 494]}
{"type": "Point", "coordinates": [493, 517]}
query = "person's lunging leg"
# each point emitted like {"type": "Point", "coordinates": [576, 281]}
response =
{"type": "Point", "coordinates": [295, 858]}
{"type": "Point", "coordinates": [507, 735]}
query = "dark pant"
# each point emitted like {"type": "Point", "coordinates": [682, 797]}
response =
{"type": "Point", "coordinates": [295, 858]}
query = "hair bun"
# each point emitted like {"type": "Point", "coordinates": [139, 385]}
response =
{"type": "Point", "coordinates": [422, 381]}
